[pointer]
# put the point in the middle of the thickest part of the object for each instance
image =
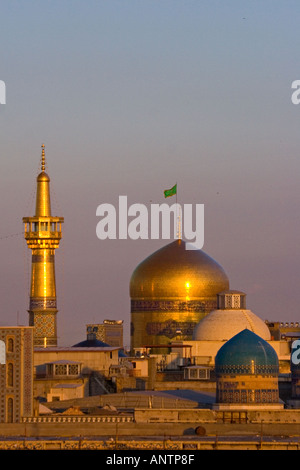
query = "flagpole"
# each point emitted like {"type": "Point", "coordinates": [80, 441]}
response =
{"type": "Point", "coordinates": [178, 217]}
{"type": "Point", "coordinates": [168, 193]}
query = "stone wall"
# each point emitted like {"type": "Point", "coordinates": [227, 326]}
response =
{"type": "Point", "coordinates": [161, 433]}
{"type": "Point", "coordinates": [191, 446]}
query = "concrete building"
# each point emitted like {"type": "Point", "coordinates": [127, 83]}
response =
{"type": "Point", "coordinates": [67, 368]}
{"type": "Point", "coordinates": [110, 332]}
{"type": "Point", "coordinates": [284, 330]}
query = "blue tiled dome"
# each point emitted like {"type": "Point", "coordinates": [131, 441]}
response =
{"type": "Point", "coordinates": [91, 343]}
{"type": "Point", "coordinates": [246, 353]}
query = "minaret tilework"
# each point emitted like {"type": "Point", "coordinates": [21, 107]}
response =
{"type": "Point", "coordinates": [43, 234]}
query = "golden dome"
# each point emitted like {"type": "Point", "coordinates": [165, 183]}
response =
{"type": "Point", "coordinates": [173, 272]}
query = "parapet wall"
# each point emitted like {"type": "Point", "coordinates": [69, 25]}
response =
{"type": "Point", "coordinates": [213, 416]}
{"type": "Point", "coordinates": [174, 416]}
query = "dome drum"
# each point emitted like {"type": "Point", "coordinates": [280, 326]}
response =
{"type": "Point", "coordinates": [249, 393]}
{"type": "Point", "coordinates": [161, 327]}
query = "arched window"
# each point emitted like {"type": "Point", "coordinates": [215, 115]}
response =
{"type": "Point", "coordinates": [10, 345]}
{"type": "Point", "coordinates": [10, 374]}
{"type": "Point", "coordinates": [10, 410]}
{"type": "Point", "coordinates": [2, 352]}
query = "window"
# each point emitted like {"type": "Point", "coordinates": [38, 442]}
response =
{"type": "Point", "coordinates": [10, 410]}
{"type": "Point", "coordinates": [10, 345]}
{"type": "Point", "coordinates": [244, 396]}
{"type": "Point", "coordinates": [236, 301]}
{"type": "Point", "coordinates": [193, 373]}
{"type": "Point", "coordinates": [73, 369]}
{"type": "Point", "coordinates": [60, 369]}
{"type": "Point", "coordinates": [264, 396]}
{"type": "Point", "coordinates": [203, 374]}
{"type": "Point", "coordinates": [2, 352]}
{"type": "Point", "coordinates": [10, 375]}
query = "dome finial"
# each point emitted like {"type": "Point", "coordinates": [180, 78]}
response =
{"type": "Point", "coordinates": [43, 157]}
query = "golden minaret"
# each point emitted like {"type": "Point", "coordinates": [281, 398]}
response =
{"type": "Point", "coordinates": [43, 234]}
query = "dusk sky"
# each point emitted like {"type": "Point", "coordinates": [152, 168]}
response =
{"type": "Point", "coordinates": [130, 97]}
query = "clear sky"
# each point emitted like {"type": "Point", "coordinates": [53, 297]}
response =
{"type": "Point", "coordinates": [128, 98]}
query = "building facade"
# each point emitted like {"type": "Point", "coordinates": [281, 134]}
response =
{"type": "Point", "coordinates": [73, 371]}
{"type": "Point", "coordinates": [16, 373]}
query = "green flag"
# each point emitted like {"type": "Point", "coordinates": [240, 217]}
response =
{"type": "Point", "coordinates": [171, 192]}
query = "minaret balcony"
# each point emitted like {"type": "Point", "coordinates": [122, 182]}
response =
{"type": "Point", "coordinates": [43, 228]}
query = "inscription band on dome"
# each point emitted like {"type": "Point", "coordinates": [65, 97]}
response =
{"type": "Point", "coordinates": [170, 328]}
{"type": "Point", "coordinates": [172, 305]}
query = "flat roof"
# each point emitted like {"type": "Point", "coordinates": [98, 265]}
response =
{"type": "Point", "coordinates": [74, 349]}
{"type": "Point", "coordinates": [166, 346]}
{"type": "Point", "coordinates": [63, 361]}
{"type": "Point", "coordinates": [67, 385]}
